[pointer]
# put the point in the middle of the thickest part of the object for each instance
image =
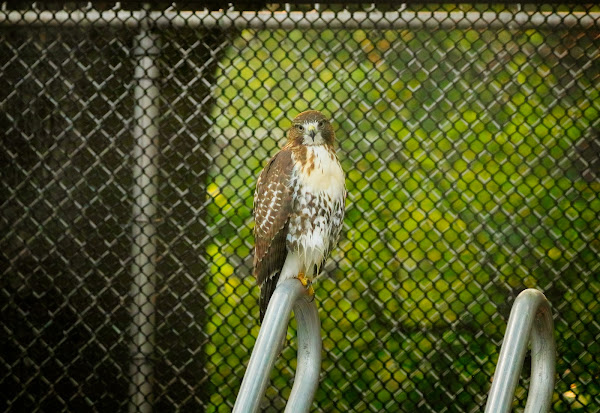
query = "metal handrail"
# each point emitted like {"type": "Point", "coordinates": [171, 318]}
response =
{"type": "Point", "coordinates": [530, 318]}
{"type": "Point", "coordinates": [288, 294]}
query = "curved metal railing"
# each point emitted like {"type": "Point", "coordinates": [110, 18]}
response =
{"type": "Point", "coordinates": [290, 293]}
{"type": "Point", "coordinates": [530, 319]}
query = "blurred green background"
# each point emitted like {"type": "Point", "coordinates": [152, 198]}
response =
{"type": "Point", "coordinates": [465, 156]}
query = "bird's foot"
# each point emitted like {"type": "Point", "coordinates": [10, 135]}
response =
{"type": "Point", "coordinates": [311, 293]}
{"type": "Point", "coordinates": [308, 284]}
{"type": "Point", "coordinates": [303, 279]}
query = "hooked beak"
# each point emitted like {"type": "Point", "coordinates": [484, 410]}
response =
{"type": "Point", "coordinates": [311, 131]}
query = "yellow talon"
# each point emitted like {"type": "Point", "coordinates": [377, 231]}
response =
{"type": "Point", "coordinates": [303, 279]}
{"type": "Point", "coordinates": [305, 282]}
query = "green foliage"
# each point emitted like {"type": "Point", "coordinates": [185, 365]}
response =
{"type": "Point", "coordinates": [460, 149]}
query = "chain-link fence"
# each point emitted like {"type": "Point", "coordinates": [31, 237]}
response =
{"type": "Point", "coordinates": [132, 139]}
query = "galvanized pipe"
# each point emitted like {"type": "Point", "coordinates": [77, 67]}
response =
{"type": "Point", "coordinates": [288, 294]}
{"type": "Point", "coordinates": [530, 318]}
{"type": "Point", "coordinates": [266, 20]}
{"type": "Point", "coordinates": [145, 173]}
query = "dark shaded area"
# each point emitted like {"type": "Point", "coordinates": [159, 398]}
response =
{"type": "Point", "coordinates": [588, 162]}
{"type": "Point", "coordinates": [65, 219]}
{"type": "Point", "coordinates": [188, 64]}
{"type": "Point", "coordinates": [66, 212]}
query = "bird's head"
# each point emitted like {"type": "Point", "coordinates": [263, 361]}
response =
{"type": "Point", "coordinates": [311, 128]}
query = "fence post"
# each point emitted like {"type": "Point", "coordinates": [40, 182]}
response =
{"type": "Point", "coordinates": [268, 345]}
{"type": "Point", "coordinates": [145, 173]}
{"type": "Point", "coordinates": [530, 317]}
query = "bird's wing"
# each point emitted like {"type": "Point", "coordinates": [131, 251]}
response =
{"type": "Point", "coordinates": [272, 208]}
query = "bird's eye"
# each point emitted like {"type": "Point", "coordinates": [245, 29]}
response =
{"type": "Point", "coordinates": [321, 123]}
{"type": "Point", "coordinates": [300, 128]}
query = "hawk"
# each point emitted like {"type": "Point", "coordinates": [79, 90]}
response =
{"type": "Point", "coordinates": [298, 207]}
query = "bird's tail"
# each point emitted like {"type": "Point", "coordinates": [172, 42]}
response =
{"type": "Point", "coordinates": [266, 291]}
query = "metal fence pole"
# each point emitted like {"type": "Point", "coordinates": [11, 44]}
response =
{"type": "Point", "coordinates": [530, 317]}
{"type": "Point", "coordinates": [268, 345]}
{"type": "Point", "coordinates": [145, 172]}
{"type": "Point", "coordinates": [266, 20]}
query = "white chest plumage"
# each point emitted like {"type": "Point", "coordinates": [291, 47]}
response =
{"type": "Point", "coordinates": [321, 173]}
{"type": "Point", "coordinates": [318, 210]}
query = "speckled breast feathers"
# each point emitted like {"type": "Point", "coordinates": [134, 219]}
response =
{"type": "Point", "coordinates": [298, 206]}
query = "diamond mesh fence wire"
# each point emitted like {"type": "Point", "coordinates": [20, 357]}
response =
{"type": "Point", "coordinates": [132, 141]}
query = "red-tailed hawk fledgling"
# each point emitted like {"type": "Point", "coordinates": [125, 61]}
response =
{"type": "Point", "coordinates": [298, 206]}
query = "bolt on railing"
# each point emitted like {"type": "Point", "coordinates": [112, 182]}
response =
{"type": "Point", "coordinates": [290, 293]}
{"type": "Point", "coordinates": [530, 319]}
